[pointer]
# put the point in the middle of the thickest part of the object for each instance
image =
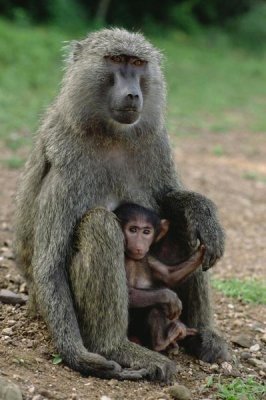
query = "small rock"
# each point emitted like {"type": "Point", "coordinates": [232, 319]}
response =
{"type": "Point", "coordinates": [37, 397]}
{"type": "Point", "coordinates": [214, 367]}
{"type": "Point", "coordinates": [227, 367]}
{"type": "Point", "coordinates": [245, 355]}
{"type": "Point", "coordinates": [46, 393]}
{"type": "Point", "coordinates": [112, 382]}
{"type": "Point", "coordinates": [264, 338]}
{"type": "Point", "coordinates": [105, 398]}
{"type": "Point", "coordinates": [254, 348]}
{"type": "Point", "coordinates": [8, 297]}
{"type": "Point", "coordinates": [242, 341]}
{"type": "Point", "coordinates": [237, 323]}
{"type": "Point", "coordinates": [11, 322]}
{"type": "Point", "coordinates": [9, 391]}
{"type": "Point", "coordinates": [179, 392]}
{"type": "Point", "coordinates": [7, 331]}
{"type": "Point", "coordinates": [32, 390]}
{"type": "Point", "coordinates": [23, 288]}
{"type": "Point", "coordinates": [258, 363]}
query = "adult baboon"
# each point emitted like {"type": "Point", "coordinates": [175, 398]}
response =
{"type": "Point", "coordinates": [103, 141]}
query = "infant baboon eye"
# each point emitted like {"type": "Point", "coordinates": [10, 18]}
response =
{"type": "Point", "coordinates": [147, 231]}
{"type": "Point", "coordinates": [133, 229]}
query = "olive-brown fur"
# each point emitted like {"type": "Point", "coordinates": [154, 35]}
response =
{"type": "Point", "coordinates": [71, 257]}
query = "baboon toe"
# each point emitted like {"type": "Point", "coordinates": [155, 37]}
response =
{"type": "Point", "coordinates": [163, 372]}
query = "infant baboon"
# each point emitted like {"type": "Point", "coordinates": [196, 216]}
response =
{"type": "Point", "coordinates": [153, 308]}
{"type": "Point", "coordinates": [103, 141]}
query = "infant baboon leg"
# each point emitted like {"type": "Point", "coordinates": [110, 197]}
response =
{"type": "Point", "coordinates": [197, 313]}
{"type": "Point", "coordinates": [98, 282]}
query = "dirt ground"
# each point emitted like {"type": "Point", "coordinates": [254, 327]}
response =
{"type": "Point", "coordinates": [231, 170]}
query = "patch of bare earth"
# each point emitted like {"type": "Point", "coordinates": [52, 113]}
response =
{"type": "Point", "coordinates": [236, 180]}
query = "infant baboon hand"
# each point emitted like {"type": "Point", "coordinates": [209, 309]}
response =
{"type": "Point", "coordinates": [173, 305]}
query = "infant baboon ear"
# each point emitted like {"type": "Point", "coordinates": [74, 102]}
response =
{"type": "Point", "coordinates": [164, 228]}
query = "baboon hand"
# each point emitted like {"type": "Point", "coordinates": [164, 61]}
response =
{"type": "Point", "coordinates": [200, 221]}
{"type": "Point", "coordinates": [172, 304]}
{"type": "Point", "coordinates": [125, 374]}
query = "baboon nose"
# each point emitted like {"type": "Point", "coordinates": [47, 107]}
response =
{"type": "Point", "coordinates": [133, 96]}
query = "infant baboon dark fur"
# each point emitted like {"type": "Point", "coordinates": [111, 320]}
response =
{"type": "Point", "coordinates": [103, 141]}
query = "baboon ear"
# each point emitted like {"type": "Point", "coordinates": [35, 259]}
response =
{"type": "Point", "coordinates": [76, 50]}
{"type": "Point", "coordinates": [73, 51]}
{"type": "Point", "coordinates": [164, 228]}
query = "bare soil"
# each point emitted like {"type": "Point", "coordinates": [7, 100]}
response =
{"type": "Point", "coordinates": [231, 170]}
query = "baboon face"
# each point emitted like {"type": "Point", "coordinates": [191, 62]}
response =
{"type": "Point", "coordinates": [113, 81]}
{"type": "Point", "coordinates": [139, 235]}
{"type": "Point", "coordinates": [125, 98]}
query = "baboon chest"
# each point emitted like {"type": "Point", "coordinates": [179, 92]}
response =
{"type": "Point", "coordinates": [119, 175]}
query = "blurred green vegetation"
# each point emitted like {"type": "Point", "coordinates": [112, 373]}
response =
{"type": "Point", "coordinates": [215, 82]}
{"type": "Point", "coordinates": [248, 291]}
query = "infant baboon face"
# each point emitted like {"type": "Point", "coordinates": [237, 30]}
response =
{"type": "Point", "coordinates": [139, 235]}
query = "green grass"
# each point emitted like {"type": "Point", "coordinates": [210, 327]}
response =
{"type": "Point", "coordinates": [249, 291]}
{"type": "Point", "coordinates": [254, 176]}
{"type": "Point", "coordinates": [14, 162]}
{"type": "Point", "coordinates": [240, 389]}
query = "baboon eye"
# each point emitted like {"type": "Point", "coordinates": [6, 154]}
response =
{"type": "Point", "coordinates": [117, 59]}
{"type": "Point", "coordinates": [138, 63]}
{"type": "Point", "coordinates": [147, 231]}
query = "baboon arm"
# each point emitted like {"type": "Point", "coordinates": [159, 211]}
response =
{"type": "Point", "coordinates": [140, 298]}
{"type": "Point", "coordinates": [198, 215]}
{"type": "Point", "coordinates": [173, 275]}
{"type": "Point", "coordinates": [53, 236]}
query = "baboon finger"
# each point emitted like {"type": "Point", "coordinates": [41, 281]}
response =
{"type": "Point", "coordinates": [125, 374]}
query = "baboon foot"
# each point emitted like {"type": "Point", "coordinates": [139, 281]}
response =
{"type": "Point", "coordinates": [158, 367]}
{"type": "Point", "coordinates": [94, 364]}
{"type": "Point", "coordinates": [208, 346]}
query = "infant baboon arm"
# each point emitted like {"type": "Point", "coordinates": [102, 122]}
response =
{"type": "Point", "coordinates": [171, 276]}
{"type": "Point", "coordinates": [168, 299]}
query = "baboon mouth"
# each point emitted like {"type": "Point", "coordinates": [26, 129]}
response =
{"type": "Point", "coordinates": [125, 109]}
{"type": "Point", "coordinates": [125, 115]}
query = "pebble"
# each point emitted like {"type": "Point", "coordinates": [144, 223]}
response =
{"type": "Point", "coordinates": [214, 367]}
{"type": "Point", "coordinates": [112, 382]}
{"type": "Point", "coordinates": [242, 341]}
{"type": "Point", "coordinates": [245, 355]}
{"type": "Point", "coordinates": [227, 367]}
{"type": "Point", "coordinates": [37, 397]}
{"type": "Point", "coordinates": [179, 392]}
{"type": "Point", "coordinates": [9, 391]}
{"type": "Point", "coordinates": [254, 348]}
{"type": "Point", "coordinates": [9, 297]}
{"type": "Point", "coordinates": [258, 363]}
{"type": "Point", "coordinates": [7, 331]}
{"type": "Point", "coordinates": [264, 338]}
{"type": "Point", "coordinates": [105, 398]}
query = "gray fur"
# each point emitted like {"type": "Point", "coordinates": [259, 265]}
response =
{"type": "Point", "coordinates": [82, 160]}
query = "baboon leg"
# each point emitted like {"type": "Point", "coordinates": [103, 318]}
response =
{"type": "Point", "coordinates": [98, 282]}
{"type": "Point", "coordinates": [197, 313]}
